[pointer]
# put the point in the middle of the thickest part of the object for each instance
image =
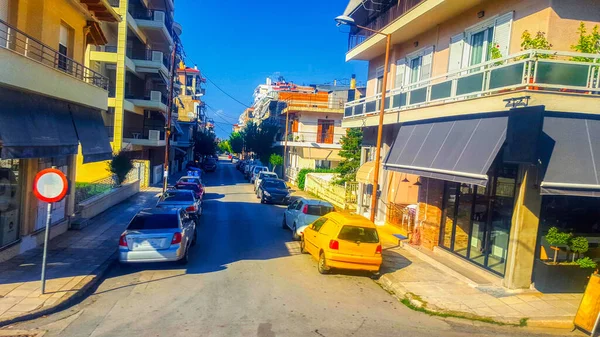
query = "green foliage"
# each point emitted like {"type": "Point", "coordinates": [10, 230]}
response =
{"type": "Point", "coordinates": [556, 238]}
{"type": "Point", "coordinates": [259, 139]}
{"type": "Point", "coordinates": [587, 43]}
{"type": "Point", "coordinates": [204, 143]}
{"type": "Point", "coordinates": [586, 262]}
{"type": "Point", "coordinates": [275, 160]}
{"type": "Point", "coordinates": [351, 146]}
{"type": "Point", "coordinates": [120, 165]}
{"type": "Point", "coordinates": [301, 179]}
{"type": "Point", "coordinates": [579, 245]}
{"type": "Point", "coordinates": [236, 142]}
{"type": "Point", "coordinates": [538, 41]}
{"type": "Point", "coordinates": [224, 146]}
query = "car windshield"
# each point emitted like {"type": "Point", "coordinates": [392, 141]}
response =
{"type": "Point", "coordinates": [362, 234]}
{"type": "Point", "coordinates": [189, 187]}
{"type": "Point", "coordinates": [189, 180]}
{"type": "Point", "coordinates": [174, 196]}
{"type": "Point", "coordinates": [274, 184]}
{"type": "Point", "coordinates": [268, 175]}
{"type": "Point", "coordinates": [153, 221]}
{"type": "Point", "coordinates": [210, 161]}
{"type": "Point", "coordinates": [319, 210]}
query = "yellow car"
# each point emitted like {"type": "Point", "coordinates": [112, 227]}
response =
{"type": "Point", "coordinates": [342, 240]}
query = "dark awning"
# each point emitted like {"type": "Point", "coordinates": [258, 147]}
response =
{"type": "Point", "coordinates": [34, 126]}
{"type": "Point", "coordinates": [572, 149]}
{"type": "Point", "coordinates": [456, 150]}
{"type": "Point", "coordinates": [95, 145]}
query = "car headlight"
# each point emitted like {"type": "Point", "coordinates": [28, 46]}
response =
{"type": "Point", "coordinates": [267, 193]}
{"type": "Point", "coordinates": [287, 195]}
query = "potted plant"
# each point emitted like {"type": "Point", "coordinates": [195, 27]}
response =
{"type": "Point", "coordinates": [529, 42]}
{"type": "Point", "coordinates": [563, 276]}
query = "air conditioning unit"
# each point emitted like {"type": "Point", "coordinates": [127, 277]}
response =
{"type": "Point", "coordinates": [159, 16]}
{"type": "Point", "coordinates": [157, 56]}
{"type": "Point", "coordinates": [154, 135]}
{"type": "Point", "coordinates": [155, 96]}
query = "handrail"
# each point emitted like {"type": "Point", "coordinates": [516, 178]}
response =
{"type": "Point", "coordinates": [484, 78]}
{"type": "Point", "coordinates": [19, 42]}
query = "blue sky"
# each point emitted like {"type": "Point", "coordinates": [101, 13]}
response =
{"type": "Point", "coordinates": [239, 43]}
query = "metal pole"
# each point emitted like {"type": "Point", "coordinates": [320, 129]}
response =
{"type": "Point", "coordinates": [287, 122]}
{"type": "Point", "coordinates": [380, 129]}
{"type": "Point", "coordinates": [46, 235]}
{"type": "Point", "coordinates": [169, 113]}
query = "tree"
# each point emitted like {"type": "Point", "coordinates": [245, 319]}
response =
{"type": "Point", "coordinates": [259, 138]}
{"type": "Point", "coordinates": [236, 142]}
{"type": "Point", "coordinates": [275, 160]}
{"type": "Point", "coordinates": [589, 43]}
{"type": "Point", "coordinates": [351, 147]}
{"type": "Point", "coordinates": [204, 143]}
{"type": "Point", "coordinates": [224, 146]}
{"type": "Point", "coordinates": [120, 165]}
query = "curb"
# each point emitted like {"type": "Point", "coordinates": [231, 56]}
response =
{"type": "Point", "coordinates": [88, 283]}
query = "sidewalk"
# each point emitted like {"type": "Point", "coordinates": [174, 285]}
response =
{"type": "Point", "coordinates": [411, 276]}
{"type": "Point", "coordinates": [76, 261]}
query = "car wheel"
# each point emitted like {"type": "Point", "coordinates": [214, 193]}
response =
{"type": "Point", "coordinates": [295, 235]}
{"type": "Point", "coordinates": [322, 265]}
{"type": "Point", "coordinates": [186, 257]}
{"type": "Point", "coordinates": [283, 224]}
{"type": "Point", "coordinates": [302, 245]}
{"type": "Point", "coordinates": [262, 200]}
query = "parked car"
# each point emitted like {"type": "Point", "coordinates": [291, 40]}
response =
{"type": "Point", "coordinates": [264, 175]}
{"type": "Point", "coordinates": [248, 170]}
{"type": "Point", "coordinates": [190, 180]}
{"type": "Point", "coordinates": [209, 165]}
{"type": "Point", "coordinates": [158, 235]}
{"type": "Point", "coordinates": [343, 240]}
{"type": "Point", "coordinates": [273, 191]}
{"type": "Point", "coordinates": [255, 171]}
{"type": "Point", "coordinates": [193, 166]}
{"type": "Point", "coordinates": [182, 199]}
{"type": "Point", "coordinates": [198, 191]}
{"type": "Point", "coordinates": [234, 159]}
{"type": "Point", "coordinates": [302, 212]}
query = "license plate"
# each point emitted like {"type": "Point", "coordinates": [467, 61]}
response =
{"type": "Point", "coordinates": [154, 243]}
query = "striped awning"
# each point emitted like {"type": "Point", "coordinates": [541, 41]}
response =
{"type": "Point", "coordinates": [366, 172]}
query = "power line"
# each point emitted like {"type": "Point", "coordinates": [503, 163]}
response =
{"type": "Point", "coordinates": [225, 92]}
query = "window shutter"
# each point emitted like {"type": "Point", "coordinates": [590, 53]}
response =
{"type": "Point", "coordinates": [456, 52]}
{"type": "Point", "coordinates": [400, 72]}
{"type": "Point", "coordinates": [379, 72]}
{"type": "Point", "coordinates": [502, 32]}
{"type": "Point", "coordinates": [426, 63]}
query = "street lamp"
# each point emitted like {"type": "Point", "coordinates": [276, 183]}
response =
{"type": "Point", "coordinates": [346, 20]}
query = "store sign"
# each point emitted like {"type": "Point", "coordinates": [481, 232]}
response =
{"type": "Point", "coordinates": [50, 185]}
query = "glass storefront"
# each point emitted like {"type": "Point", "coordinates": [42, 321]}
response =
{"type": "Point", "coordinates": [10, 201]}
{"type": "Point", "coordinates": [476, 220]}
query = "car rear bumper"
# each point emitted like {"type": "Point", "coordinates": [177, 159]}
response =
{"type": "Point", "coordinates": [174, 253]}
{"type": "Point", "coordinates": [343, 261]}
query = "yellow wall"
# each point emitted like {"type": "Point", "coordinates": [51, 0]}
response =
{"type": "Point", "coordinates": [92, 171]}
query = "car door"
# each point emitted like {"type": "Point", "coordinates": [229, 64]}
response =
{"type": "Point", "coordinates": [310, 237]}
{"type": "Point", "coordinates": [289, 213]}
{"type": "Point", "coordinates": [298, 213]}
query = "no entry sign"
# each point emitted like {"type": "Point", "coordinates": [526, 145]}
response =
{"type": "Point", "coordinates": [50, 185]}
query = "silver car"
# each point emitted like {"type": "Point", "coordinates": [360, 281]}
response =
{"type": "Point", "coordinates": [182, 199]}
{"type": "Point", "coordinates": [158, 235]}
{"type": "Point", "coordinates": [302, 212]}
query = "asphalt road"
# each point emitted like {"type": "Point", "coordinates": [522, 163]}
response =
{"type": "Point", "coordinates": [245, 278]}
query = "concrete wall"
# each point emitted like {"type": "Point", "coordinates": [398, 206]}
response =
{"type": "Point", "coordinates": [98, 204]}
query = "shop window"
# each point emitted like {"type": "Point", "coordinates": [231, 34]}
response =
{"type": "Point", "coordinates": [10, 201]}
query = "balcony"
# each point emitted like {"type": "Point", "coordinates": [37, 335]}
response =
{"type": "Point", "coordinates": [530, 77]}
{"type": "Point", "coordinates": [325, 140]}
{"type": "Point", "coordinates": [155, 24]}
{"type": "Point", "coordinates": [107, 53]}
{"type": "Point", "coordinates": [156, 101]}
{"type": "Point", "coordinates": [144, 136]}
{"type": "Point", "coordinates": [154, 62]}
{"type": "Point", "coordinates": [313, 103]}
{"type": "Point", "coordinates": [63, 78]}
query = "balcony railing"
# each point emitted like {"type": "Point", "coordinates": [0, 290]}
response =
{"type": "Point", "coordinates": [380, 21]}
{"type": "Point", "coordinates": [107, 48]}
{"type": "Point", "coordinates": [31, 48]}
{"type": "Point", "coordinates": [531, 69]}
{"type": "Point", "coordinates": [309, 103]}
{"type": "Point", "coordinates": [313, 137]}
{"type": "Point", "coordinates": [154, 133]}
{"type": "Point", "coordinates": [152, 15]}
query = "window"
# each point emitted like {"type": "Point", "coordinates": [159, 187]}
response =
{"type": "Point", "coordinates": [154, 221]}
{"type": "Point", "coordinates": [177, 196]}
{"type": "Point", "coordinates": [379, 74]}
{"type": "Point", "coordinates": [10, 201]}
{"type": "Point", "coordinates": [319, 210]}
{"type": "Point", "coordinates": [322, 164]}
{"type": "Point", "coordinates": [299, 205]}
{"type": "Point", "coordinates": [325, 129]}
{"type": "Point", "coordinates": [189, 80]}
{"type": "Point", "coordinates": [415, 67]}
{"type": "Point", "coordinates": [360, 234]}
{"type": "Point", "coordinates": [64, 47]}
{"type": "Point", "coordinates": [318, 224]}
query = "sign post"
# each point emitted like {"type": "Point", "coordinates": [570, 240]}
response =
{"type": "Point", "coordinates": [50, 185]}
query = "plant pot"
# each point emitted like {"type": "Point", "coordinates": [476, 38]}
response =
{"type": "Point", "coordinates": [531, 87]}
{"type": "Point", "coordinates": [551, 278]}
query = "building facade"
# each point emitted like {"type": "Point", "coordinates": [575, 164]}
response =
{"type": "Point", "coordinates": [489, 141]}
{"type": "Point", "coordinates": [53, 109]}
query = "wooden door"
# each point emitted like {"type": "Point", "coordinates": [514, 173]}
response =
{"type": "Point", "coordinates": [325, 131]}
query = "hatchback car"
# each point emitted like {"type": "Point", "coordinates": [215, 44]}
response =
{"type": "Point", "coordinates": [302, 212]}
{"type": "Point", "coordinates": [209, 165]}
{"type": "Point", "coordinates": [182, 199]}
{"type": "Point", "coordinates": [255, 171]}
{"type": "Point", "coordinates": [264, 175]}
{"type": "Point", "coordinates": [158, 235]}
{"type": "Point", "coordinates": [342, 240]}
{"type": "Point", "coordinates": [273, 191]}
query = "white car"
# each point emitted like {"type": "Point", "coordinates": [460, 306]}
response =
{"type": "Point", "coordinates": [255, 171]}
{"type": "Point", "coordinates": [263, 175]}
{"type": "Point", "coordinates": [302, 212]}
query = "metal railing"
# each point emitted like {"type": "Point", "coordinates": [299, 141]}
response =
{"type": "Point", "coordinates": [107, 48]}
{"type": "Point", "coordinates": [401, 215]}
{"type": "Point", "coordinates": [313, 137]}
{"type": "Point", "coordinates": [141, 13]}
{"type": "Point", "coordinates": [151, 133]}
{"type": "Point", "coordinates": [380, 21]}
{"type": "Point", "coordinates": [531, 69]}
{"type": "Point", "coordinates": [323, 186]}
{"type": "Point", "coordinates": [17, 41]}
{"type": "Point", "coordinates": [316, 103]}
{"type": "Point", "coordinates": [85, 191]}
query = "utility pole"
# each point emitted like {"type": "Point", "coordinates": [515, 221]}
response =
{"type": "Point", "coordinates": [169, 114]}
{"type": "Point", "coordinates": [287, 122]}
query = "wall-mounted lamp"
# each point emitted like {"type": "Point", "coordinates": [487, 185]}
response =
{"type": "Point", "coordinates": [480, 14]}
{"type": "Point", "coordinates": [405, 180]}
{"type": "Point", "coordinates": [416, 43]}
{"type": "Point", "coordinates": [418, 183]}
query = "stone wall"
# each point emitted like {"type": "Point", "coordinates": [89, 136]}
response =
{"type": "Point", "coordinates": [431, 195]}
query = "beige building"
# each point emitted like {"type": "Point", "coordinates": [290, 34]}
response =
{"type": "Point", "coordinates": [483, 135]}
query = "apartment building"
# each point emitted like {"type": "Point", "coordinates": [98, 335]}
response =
{"type": "Point", "coordinates": [52, 109]}
{"type": "Point", "coordinates": [489, 141]}
{"type": "Point", "coordinates": [137, 61]}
